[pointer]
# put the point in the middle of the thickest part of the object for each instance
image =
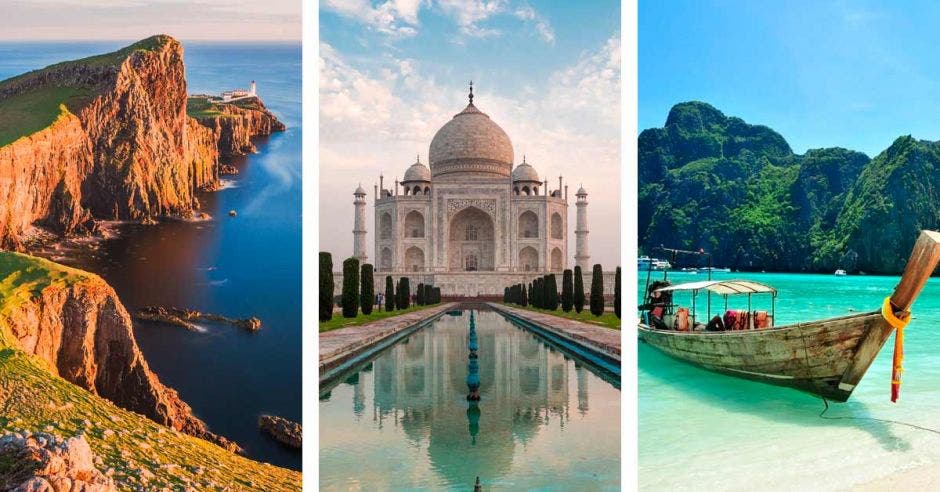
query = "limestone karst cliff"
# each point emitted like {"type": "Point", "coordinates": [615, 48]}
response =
{"type": "Point", "coordinates": [119, 146]}
{"type": "Point", "coordinates": [74, 321]}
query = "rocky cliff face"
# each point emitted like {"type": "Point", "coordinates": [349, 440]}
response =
{"type": "Point", "coordinates": [85, 334]}
{"type": "Point", "coordinates": [127, 150]}
{"type": "Point", "coordinates": [238, 123]}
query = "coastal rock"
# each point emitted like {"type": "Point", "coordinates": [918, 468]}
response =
{"type": "Point", "coordinates": [85, 334]}
{"type": "Point", "coordinates": [228, 170]}
{"type": "Point", "coordinates": [285, 431]}
{"type": "Point", "coordinates": [183, 318]}
{"type": "Point", "coordinates": [45, 462]}
{"type": "Point", "coordinates": [127, 151]}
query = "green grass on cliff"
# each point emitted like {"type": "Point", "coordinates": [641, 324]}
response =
{"type": "Point", "coordinates": [200, 107]}
{"type": "Point", "coordinates": [140, 453]}
{"type": "Point", "coordinates": [32, 111]}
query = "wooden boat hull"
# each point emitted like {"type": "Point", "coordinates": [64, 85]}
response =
{"type": "Point", "coordinates": [826, 357]}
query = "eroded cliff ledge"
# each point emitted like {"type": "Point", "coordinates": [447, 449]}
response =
{"type": "Point", "coordinates": [115, 142]}
{"type": "Point", "coordinates": [74, 321]}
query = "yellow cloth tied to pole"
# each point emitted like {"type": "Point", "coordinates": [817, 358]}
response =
{"type": "Point", "coordinates": [898, 323]}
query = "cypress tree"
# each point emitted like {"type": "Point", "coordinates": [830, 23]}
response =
{"type": "Point", "coordinates": [419, 299]}
{"type": "Point", "coordinates": [597, 291]}
{"type": "Point", "coordinates": [367, 289]}
{"type": "Point", "coordinates": [428, 294]}
{"type": "Point", "coordinates": [567, 291]}
{"type": "Point", "coordinates": [389, 293]}
{"type": "Point", "coordinates": [398, 301]}
{"type": "Point", "coordinates": [326, 286]}
{"type": "Point", "coordinates": [617, 294]}
{"type": "Point", "coordinates": [437, 295]}
{"type": "Point", "coordinates": [578, 290]}
{"type": "Point", "coordinates": [552, 293]}
{"type": "Point", "coordinates": [525, 297]}
{"type": "Point", "coordinates": [506, 295]}
{"type": "Point", "coordinates": [405, 293]}
{"type": "Point", "coordinates": [350, 288]}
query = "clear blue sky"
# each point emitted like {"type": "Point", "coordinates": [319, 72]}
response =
{"type": "Point", "coordinates": [849, 74]}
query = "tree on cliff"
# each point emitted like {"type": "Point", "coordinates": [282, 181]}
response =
{"type": "Point", "coordinates": [367, 296]}
{"type": "Point", "coordinates": [597, 291]}
{"type": "Point", "coordinates": [326, 286]}
{"type": "Point", "coordinates": [389, 293]}
{"type": "Point", "coordinates": [578, 290]}
{"type": "Point", "coordinates": [617, 294]}
{"type": "Point", "coordinates": [551, 292]}
{"type": "Point", "coordinates": [567, 291]}
{"type": "Point", "coordinates": [350, 287]}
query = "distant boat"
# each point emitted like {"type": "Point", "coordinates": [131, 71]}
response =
{"type": "Point", "coordinates": [715, 270]}
{"type": "Point", "coordinates": [840, 273]}
{"type": "Point", "coordinates": [825, 357]}
{"type": "Point", "coordinates": [645, 263]}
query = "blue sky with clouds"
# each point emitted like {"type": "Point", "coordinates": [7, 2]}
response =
{"type": "Point", "coordinates": [392, 72]}
{"type": "Point", "coordinates": [854, 74]}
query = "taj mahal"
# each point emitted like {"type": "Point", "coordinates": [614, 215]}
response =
{"type": "Point", "coordinates": [471, 221]}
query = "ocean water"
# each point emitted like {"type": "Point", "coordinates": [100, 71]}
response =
{"type": "Point", "coordinates": [700, 430]}
{"type": "Point", "coordinates": [238, 267]}
{"type": "Point", "coordinates": [544, 422]}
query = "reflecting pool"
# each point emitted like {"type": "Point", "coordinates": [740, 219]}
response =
{"type": "Point", "coordinates": [405, 421]}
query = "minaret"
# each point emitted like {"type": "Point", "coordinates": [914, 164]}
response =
{"type": "Point", "coordinates": [359, 226]}
{"type": "Point", "coordinates": [253, 89]}
{"type": "Point", "coordinates": [582, 257]}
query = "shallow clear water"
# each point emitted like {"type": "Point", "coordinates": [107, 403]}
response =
{"type": "Point", "coordinates": [237, 267]}
{"type": "Point", "coordinates": [403, 421]}
{"type": "Point", "coordinates": [703, 431]}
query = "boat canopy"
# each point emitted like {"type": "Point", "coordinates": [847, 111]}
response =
{"type": "Point", "coordinates": [724, 287]}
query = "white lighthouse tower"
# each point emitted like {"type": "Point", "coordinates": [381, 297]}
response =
{"type": "Point", "coordinates": [582, 256]}
{"type": "Point", "coordinates": [253, 89]}
{"type": "Point", "coordinates": [359, 226]}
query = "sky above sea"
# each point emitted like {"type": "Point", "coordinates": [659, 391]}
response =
{"type": "Point", "coordinates": [824, 74]}
{"type": "Point", "coordinates": [391, 74]}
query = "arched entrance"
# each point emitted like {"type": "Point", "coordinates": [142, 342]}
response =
{"type": "Point", "coordinates": [528, 259]}
{"type": "Point", "coordinates": [471, 244]}
{"type": "Point", "coordinates": [414, 259]}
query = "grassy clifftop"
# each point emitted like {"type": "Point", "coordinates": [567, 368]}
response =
{"type": "Point", "coordinates": [138, 452]}
{"type": "Point", "coordinates": [30, 110]}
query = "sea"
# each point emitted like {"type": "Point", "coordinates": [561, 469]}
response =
{"type": "Point", "coordinates": [249, 265]}
{"type": "Point", "coordinates": [700, 430]}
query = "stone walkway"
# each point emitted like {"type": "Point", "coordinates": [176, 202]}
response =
{"type": "Point", "coordinates": [605, 339]}
{"type": "Point", "coordinates": [338, 345]}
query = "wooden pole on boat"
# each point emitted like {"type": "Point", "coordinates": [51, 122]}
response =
{"type": "Point", "coordinates": [920, 266]}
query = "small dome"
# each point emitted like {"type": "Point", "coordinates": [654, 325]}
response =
{"type": "Point", "coordinates": [359, 191]}
{"type": "Point", "coordinates": [525, 172]}
{"type": "Point", "coordinates": [581, 191]}
{"type": "Point", "coordinates": [417, 172]}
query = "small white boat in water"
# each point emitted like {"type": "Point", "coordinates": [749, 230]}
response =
{"type": "Point", "coordinates": [644, 263]}
{"type": "Point", "coordinates": [840, 273]}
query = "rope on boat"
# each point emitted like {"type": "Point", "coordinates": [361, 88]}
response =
{"type": "Point", "coordinates": [898, 323]}
{"type": "Point", "coordinates": [822, 415]}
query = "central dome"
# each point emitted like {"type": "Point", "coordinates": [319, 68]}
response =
{"type": "Point", "coordinates": [471, 143]}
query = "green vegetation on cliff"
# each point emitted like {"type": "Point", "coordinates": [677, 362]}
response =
{"type": "Point", "coordinates": [36, 106]}
{"type": "Point", "coordinates": [139, 453]}
{"type": "Point", "coordinates": [738, 191]}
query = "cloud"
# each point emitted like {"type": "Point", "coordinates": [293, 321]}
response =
{"type": "Point", "coordinates": [373, 119]}
{"type": "Point", "coordinates": [400, 18]}
{"type": "Point", "coordinates": [394, 17]}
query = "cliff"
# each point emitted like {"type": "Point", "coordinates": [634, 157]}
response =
{"type": "Point", "coordinates": [234, 124]}
{"type": "Point", "coordinates": [707, 180]}
{"type": "Point", "coordinates": [74, 322]}
{"type": "Point", "coordinates": [108, 137]}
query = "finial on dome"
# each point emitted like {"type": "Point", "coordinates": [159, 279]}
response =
{"type": "Point", "coordinates": [471, 92]}
{"type": "Point", "coordinates": [523, 158]}
{"type": "Point", "coordinates": [419, 159]}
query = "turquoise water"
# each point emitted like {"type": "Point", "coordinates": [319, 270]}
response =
{"type": "Point", "coordinates": [404, 422]}
{"type": "Point", "coordinates": [703, 431]}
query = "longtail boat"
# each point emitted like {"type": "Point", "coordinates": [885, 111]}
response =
{"type": "Point", "coordinates": [826, 357]}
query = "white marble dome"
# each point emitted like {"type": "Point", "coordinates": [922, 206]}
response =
{"type": "Point", "coordinates": [471, 143]}
{"type": "Point", "coordinates": [417, 172]}
{"type": "Point", "coordinates": [525, 172]}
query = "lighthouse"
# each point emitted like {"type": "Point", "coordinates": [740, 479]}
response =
{"type": "Point", "coordinates": [253, 89]}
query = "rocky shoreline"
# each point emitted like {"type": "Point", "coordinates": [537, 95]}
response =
{"type": "Point", "coordinates": [285, 431]}
{"type": "Point", "coordinates": [184, 318]}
